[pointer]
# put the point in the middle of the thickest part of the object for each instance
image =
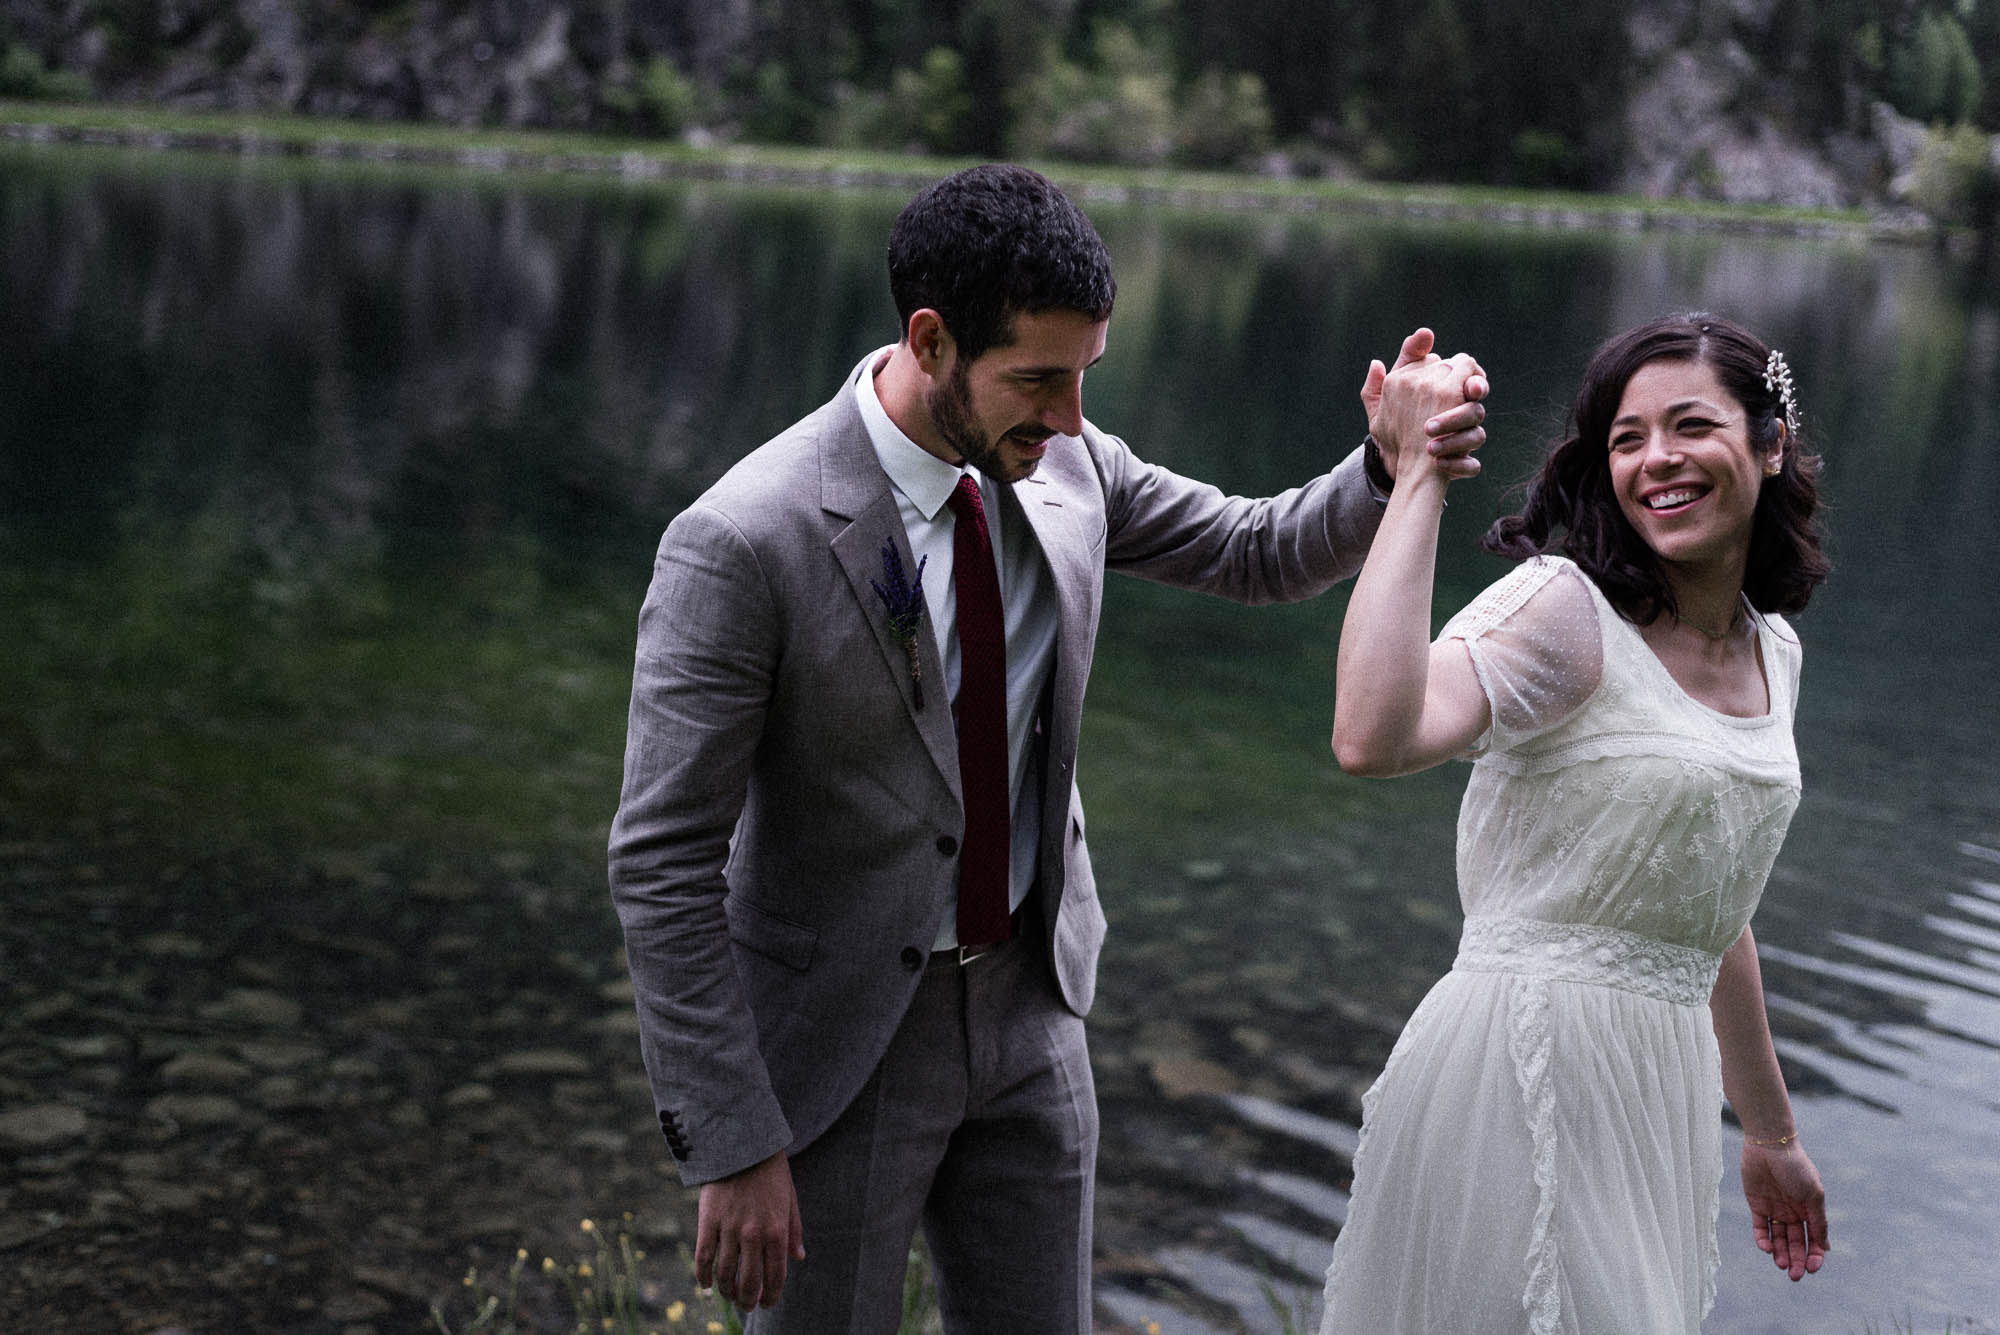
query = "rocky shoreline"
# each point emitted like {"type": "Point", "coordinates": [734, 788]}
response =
{"type": "Point", "coordinates": [242, 1095]}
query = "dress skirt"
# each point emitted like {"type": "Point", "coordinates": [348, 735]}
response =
{"type": "Point", "coordinates": [1541, 1155]}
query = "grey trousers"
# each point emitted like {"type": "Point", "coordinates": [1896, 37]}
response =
{"type": "Point", "coordinates": [980, 1124]}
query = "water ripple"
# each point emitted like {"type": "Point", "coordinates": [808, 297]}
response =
{"type": "Point", "coordinates": [1338, 1137]}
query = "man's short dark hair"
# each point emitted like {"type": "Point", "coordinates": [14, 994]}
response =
{"type": "Point", "coordinates": [991, 242]}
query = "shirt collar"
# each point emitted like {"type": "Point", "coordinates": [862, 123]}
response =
{"type": "Point", "coordinates": [926, 480]}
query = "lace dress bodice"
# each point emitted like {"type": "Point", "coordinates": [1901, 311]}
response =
{"type": "Point", "coordinates": [1604, 795]}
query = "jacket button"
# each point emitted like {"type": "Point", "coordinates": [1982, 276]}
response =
{"type": "Point", "coordinates": [913, 959]}
{"type": "Point", "coordinates": [947, 845]}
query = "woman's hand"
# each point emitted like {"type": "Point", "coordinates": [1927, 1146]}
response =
{"type": "Point", "coordinates": [1787, 1206]}
{"type": "Point", "coordinates": [1428, 401]}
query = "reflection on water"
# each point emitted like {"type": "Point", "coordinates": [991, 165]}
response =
{"type": "Point", "coordinates": [327, 499]}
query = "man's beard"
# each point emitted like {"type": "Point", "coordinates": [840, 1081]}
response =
{"type": "Point", "coordinates": [950, 407]}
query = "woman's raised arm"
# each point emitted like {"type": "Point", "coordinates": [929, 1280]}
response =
{"type": "Point", "coordinates": [1401, 705]}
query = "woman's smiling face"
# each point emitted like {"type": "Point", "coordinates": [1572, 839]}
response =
{"type": "Point", "coordinates": [1684, 468]}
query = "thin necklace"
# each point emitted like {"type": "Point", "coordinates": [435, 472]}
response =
{"type": "Point", "coordinates": [1717, 636]}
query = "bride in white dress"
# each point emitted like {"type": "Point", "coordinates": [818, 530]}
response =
{"type": "Point", "coordinates": [1542, 1152]}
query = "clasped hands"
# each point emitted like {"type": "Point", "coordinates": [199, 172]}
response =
{"type": "Point", "coordinates": [1427, 406]}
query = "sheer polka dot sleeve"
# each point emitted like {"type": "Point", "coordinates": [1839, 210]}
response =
{"type": "Point", "coordinates": [1536, 646]}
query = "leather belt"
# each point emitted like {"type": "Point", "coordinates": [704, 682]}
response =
{"type": "Point", "coordinates": [967, 954]}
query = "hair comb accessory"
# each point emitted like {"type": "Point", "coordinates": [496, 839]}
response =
{"type": "Point", "coordinates": [1778, 379]}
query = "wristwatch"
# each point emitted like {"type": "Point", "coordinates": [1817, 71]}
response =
{"type": "Point", "coordinates": [1372, 465]}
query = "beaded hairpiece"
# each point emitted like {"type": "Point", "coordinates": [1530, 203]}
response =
{"type": "Point", "coordinates": [1778, 379]}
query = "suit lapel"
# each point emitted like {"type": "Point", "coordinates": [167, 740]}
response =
{"type": "Point", "coordinates": [854, 487]}
{"type": "Point", "coordinates": [1072, 568]}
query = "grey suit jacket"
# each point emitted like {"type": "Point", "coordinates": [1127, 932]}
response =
{"type": "Point", "coordinates": [786, 843]}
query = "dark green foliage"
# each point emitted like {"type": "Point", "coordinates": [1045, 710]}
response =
{"type": "Point", "coordinates": [1935, 60]}
{"type": "Point", "coordinates": [664, 100]}
{"type": "Point", "coordinates": [1225, 120]}
{"type": "Point", "coordinates": [1934, 74]}
{"type": "Point", "coordinates": [1982, 29]}
{"type": "Point", "coordinates": [22, 74]}
{"type": "Point", "coordinates": [1957, 183]}
{"type": "Point", "coordinates": [1512, 92]}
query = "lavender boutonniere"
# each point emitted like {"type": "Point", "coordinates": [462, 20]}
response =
{"type": "Point", "coordinates": [905, 600]}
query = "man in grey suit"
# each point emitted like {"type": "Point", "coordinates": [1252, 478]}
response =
{"type": "Point", "coordinates": [849, 856]}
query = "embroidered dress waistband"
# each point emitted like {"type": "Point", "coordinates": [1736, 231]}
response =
{"type": "Point", "coordinates": [1578, 953]}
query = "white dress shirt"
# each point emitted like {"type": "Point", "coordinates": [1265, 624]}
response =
{"type": "Point", "coordinates": [923, 483]}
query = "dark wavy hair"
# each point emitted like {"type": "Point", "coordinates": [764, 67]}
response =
{"type": "Point", "coordinates": [990, 242]}
{"type": "Point", "coordinates": [1569, 505]}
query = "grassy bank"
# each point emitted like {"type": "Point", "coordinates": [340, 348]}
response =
{"type": "Point", "coordinates": [641, 159]}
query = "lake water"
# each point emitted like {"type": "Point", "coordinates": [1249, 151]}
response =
{"type": "Point", "coordinates": [328, 496]}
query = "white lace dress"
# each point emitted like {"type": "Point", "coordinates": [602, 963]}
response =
{"type": "Point", "coordinates": [1542, 1152]}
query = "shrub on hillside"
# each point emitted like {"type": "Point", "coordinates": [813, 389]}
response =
{"type": "Point", "coordinates": [1956, 179]}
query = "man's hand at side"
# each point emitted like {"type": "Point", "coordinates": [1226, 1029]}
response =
{"type": "Point", "coordinates": [746, 1228]}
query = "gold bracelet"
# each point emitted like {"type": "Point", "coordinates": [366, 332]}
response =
{"type": "Point", "coordinates": [1780, 1142]}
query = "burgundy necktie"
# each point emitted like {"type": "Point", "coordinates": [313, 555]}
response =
{"type": "Point", "coordinates": [982, 725]}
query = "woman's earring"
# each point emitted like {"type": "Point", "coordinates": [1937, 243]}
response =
{"type": "Point", "coordinates": [1772, 468]}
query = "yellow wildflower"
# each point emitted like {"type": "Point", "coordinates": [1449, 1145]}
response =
{"type": "Point", "coordinates": [676, 1310]}
{"type": "Point", "coordinates": [715, 1328]}
{"type": "Point", "coordinates": [583, 1270]}
{"type": "Point", "coordinates": [587, 1226]}
{"type": "Point", "coordinates": [548, 1265]}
